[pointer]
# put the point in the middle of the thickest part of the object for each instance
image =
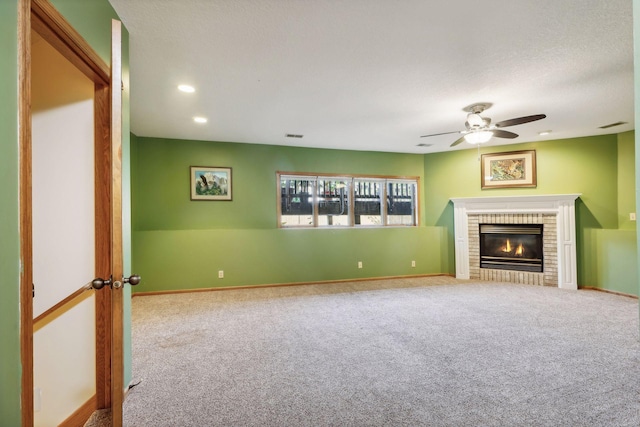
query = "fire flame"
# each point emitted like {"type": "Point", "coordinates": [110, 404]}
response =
{"type": "Point", "coordinates": [518, 252]}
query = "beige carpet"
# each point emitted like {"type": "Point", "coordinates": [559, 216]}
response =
{"type": "Point", "coordinates": [411, 352]}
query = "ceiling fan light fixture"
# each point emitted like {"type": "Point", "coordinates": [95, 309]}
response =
{"type": "Point", "coordinates": [478, 137]}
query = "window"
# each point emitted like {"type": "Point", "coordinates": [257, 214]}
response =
{"type": "Point", "coordinates": [296, 201]}
{"type": "Point", "coordinates": [401, 196]}
{"type": "Point", "coordinates": [346, 201]}
{"type": "Point", "coordinates": [333, 202]}
{"type": "Point", "coordinates": [368, 197]}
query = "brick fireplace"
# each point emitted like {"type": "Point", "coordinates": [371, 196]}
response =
{"type": "Point", "coordinates": [555, 216]}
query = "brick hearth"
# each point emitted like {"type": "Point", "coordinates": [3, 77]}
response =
{"type": "Point", "coordinates": [549, 277]}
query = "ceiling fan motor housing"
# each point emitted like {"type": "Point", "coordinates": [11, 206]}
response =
{"type": "Point", "coordinates": [476, 121]}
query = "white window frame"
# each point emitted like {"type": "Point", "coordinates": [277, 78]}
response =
{"type": "Point", "coordinates": [414, 198]}
{"type": "Point", "coordinates": [312, 191]}
{"type": "Point", "coordinates": [351, 180]}
{"type": "Point", "coordinates": [383, 184]}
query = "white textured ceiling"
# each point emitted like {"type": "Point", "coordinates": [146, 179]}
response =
{"type": "Point", "coordinates": [376, 74]}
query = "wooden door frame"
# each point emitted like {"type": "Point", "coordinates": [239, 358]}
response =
{"type": "Point", "coordinates": [115, 243]}
{"type": "Point", "coordinates": [42, 17]}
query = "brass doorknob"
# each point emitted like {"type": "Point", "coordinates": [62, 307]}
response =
{"type": "Point", "coordinates": [133, 280]}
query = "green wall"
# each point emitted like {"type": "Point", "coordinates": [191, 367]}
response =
{"type": "Point", "coordinates": [9, 223]}
{"type": "Point", "coordinates": [181, 244]}
{"type": "Point", "coordinates": [626, 180]}
{"type": "Point", "coordinates": [598, 167]}
{"type": "Point", "coordinates": [92, 18]}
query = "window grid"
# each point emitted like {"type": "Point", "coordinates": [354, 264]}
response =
{"type": "Point", "coordinates": [317, 201]}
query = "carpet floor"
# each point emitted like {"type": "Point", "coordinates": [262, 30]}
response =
{"type": "Point", "coordinates": [430, 351]}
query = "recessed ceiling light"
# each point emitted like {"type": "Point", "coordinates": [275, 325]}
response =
{"type": "Point", "coordinates": [544, 132]}
{"type": "Point", "coordinates": [186, 88]}
{"type": "Point", "coordinates": [200, 119]}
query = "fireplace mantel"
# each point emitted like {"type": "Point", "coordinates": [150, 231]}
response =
{"type": "Point", "coordinates": [560, 205]}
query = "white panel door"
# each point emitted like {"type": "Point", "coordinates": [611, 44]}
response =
{"type": "Point", "coordinates": [63, 224]}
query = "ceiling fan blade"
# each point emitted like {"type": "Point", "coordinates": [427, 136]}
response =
{"type": "Point", "coordinates": [443, 133]}
{"type": "Point", "coordinates": [458, 141]}
{"type": "Point", "coordinates": [499, 133]}
{"type": "Point", "coordinates": [520, 120]}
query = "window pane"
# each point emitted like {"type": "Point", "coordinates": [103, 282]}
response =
{"type": "Point", "coordinates": [296, 202]}
{"type": "Point", "coordinates": [401, 198]}
{"type": "Point", "coordinates": [344, 201]}
{"type": "Point", "coordinates": [333, 202]}
{"type": "Point", "coordinates": [367, 208]}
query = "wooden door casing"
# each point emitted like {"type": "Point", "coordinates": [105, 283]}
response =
{"type": "Point", "coordinates": [117, 325]}
{"type": "Point", "coordinates": [42, 17]}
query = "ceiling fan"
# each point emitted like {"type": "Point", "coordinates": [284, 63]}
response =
{"type": "Point", "coordinates": [480, 130]}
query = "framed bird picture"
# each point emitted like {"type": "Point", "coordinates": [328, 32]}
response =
{"type": "Point", "coordinates": [514, 169]}
{"type": "Point", "coordinates": [210, 183]}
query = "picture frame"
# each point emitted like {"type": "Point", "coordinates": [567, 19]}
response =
{"type": "Point", "coordinates": [509, 169]}
{"type": "Point", "coordinates": [211, 183]}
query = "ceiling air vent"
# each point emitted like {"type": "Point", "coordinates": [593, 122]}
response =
{"type": "Point", "coordinates": [293, 135]}
{"type": "Point", "coordinates": [612, 125]}
{"type": "Point", "coordinates": [424, 145]}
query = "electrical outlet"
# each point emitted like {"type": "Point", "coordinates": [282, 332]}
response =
{"type": "Point", "coordinates": [220, 274]}
{"type": "Point", "coordinates": [413, 263]}
{"type": "Point", "coordinates": [632, 216]}
{"type": "Point", "coordinates": [359, 264]}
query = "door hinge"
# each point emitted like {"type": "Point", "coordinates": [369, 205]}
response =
{"type": "Point", "coordinates": [33, 290]}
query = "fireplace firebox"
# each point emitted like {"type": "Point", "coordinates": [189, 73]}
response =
{"type": "Point", "coordinates": [511, 247]}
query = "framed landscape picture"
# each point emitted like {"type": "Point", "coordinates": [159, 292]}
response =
{"type": "Point", "coordinates": [513, 169]}
{"type": "Point", "coordinates": [210, 183]}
